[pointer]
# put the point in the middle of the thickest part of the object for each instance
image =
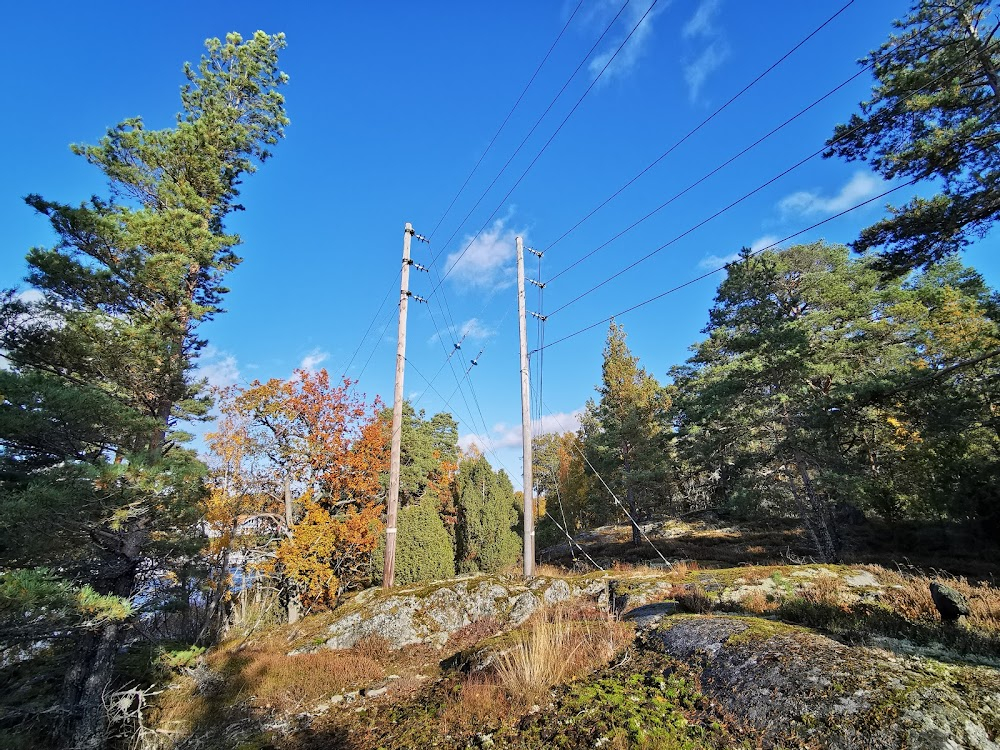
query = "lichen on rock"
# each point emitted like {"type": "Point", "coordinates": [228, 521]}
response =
{"type": "Point", "coordinates": [795, 684]}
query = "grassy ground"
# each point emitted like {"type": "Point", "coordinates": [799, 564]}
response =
{"type": "Point", "coordinates": [573, 676]}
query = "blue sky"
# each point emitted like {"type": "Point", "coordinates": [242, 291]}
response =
{"type": "Point", "coordinates": [391, 106]}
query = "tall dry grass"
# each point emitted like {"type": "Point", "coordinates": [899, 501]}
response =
{"type": "Point", "coordinates": [554, 648]}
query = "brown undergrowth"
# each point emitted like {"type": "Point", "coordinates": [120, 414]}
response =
{"type": "Point", "coordinates": [900, 607]}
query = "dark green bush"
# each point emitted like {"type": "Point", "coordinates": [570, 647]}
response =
{"type": "Point", "coordinates": [423, 547]}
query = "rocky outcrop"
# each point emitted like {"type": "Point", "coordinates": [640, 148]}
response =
{"type": "Point", "coordinates": [797, 686]}
{"type": "Point", "coordinates": [431, 613]}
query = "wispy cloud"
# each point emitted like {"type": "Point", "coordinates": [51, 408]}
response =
{"type": "Point", "coordinates": [810, 203]}
{"type": "Point", "coordinates": [761, 242]}
{"type": "Point", "coordinates": [627, 60]}
{"type": "Point", "coordinates": [702, 23]}
{"type": "Point", "coordinates": [710, 60]}
{"type": "Point", "coordinates": [219, 368]}
{"type": "Point", "coordinates": [471, 330]}
{"type": "Point", "coordinates": [313, 359]}
{"type": "Point", "coordinates": [703, 27]}
{"type": "Point", "coordinates": [717, 261]}
{"type": "Point", "coordinates": [505, 435]}
{"type": "Point", "coordinates": [487, 260]}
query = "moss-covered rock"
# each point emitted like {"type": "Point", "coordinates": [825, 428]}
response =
{"type": "Point", "coordinates": [795, 685]}
{"type": "Point", "coordinates": [429, 614]}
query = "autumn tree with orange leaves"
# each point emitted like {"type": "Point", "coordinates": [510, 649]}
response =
{"type": "Point", "coordinates": [297, 478]}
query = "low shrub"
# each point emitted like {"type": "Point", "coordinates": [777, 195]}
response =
{"type": "Point", "coordinates": [693, 598]}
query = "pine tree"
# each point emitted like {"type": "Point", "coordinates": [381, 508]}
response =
{"type": "Point", "coordinates": [126, 288]}
{"type": "Point", "coordinates": [932, 115]}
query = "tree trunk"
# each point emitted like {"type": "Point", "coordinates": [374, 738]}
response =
{"type": "Point", "coordinates": [294, 606]}
{"type": "Point", "coordinates": [91, 672]}
{"type": "Point", "coordinates": [89, 729]}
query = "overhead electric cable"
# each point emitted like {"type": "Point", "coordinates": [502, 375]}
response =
{"type": "Point", "coordinates": [548, 142]}
{"type": "Point", "coordinates": [507, 118]}
{"type": "Point", "coordinates": [468, 422]}
{"type": "Point", "coordinates": [710, 174]}
{"type": "Point", "coordinates": [721, 211]}
{"type": "Point", "coordinates": [723, 267]}
{"type": "Point", "coordinates": [525, 139]}
{"type": "Point", "coordinates": [699, 126]}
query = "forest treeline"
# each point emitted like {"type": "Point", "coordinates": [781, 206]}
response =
{"type": "Point", "coordinates": [821, 388]}
{"type": "Point", "coordinates": [829, 378]}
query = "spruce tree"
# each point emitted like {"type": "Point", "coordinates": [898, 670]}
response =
{"type": "Point", "coordinates": [623, 430]}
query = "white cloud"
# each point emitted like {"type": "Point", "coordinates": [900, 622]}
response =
{"type": "Point", "coordinates": [761, 242]}
{"type": "Point", "coordinates": [471, 330]}
{"type": "Point", "coordinates": [487, 260]}
{"type": "Point", "coordinates": [717, 261]}
{"type": "Point", "coordinates": [704, 26]}
{"type": "Point", "coordinates": [313, 359]}
{"type": "Point", "coordinates": [809, 203]}
{"type": "Point", "coordinates": [627, 59]}
{"type": "Point", "coordinates": [702, 23]}
{"type": "Point", "coordinates": [504, 435]}
{"type": "Point", "coordinates": [710, 60]}
{"type": "Point", "coordinates": [219, 368]}
{"type": "Point", "coordinates": [567, 421]}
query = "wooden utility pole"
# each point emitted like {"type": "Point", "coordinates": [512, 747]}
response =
{"type": "Point", "coordinates": [529, 505]}
{"type": "Point", "coordinates": [397, 418]}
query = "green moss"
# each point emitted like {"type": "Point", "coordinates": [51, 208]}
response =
{"type": "Point", "coordinates": [758, 629]}
{"type": "Point", "coordinates": [647, 709]}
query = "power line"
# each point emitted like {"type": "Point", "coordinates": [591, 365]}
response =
{"type": "Point", "coordinates": [712, 173]}
{"type": "Point", "coordinates": [724, 267]}
{"type": "Point", "coordinates": [364, 337]}
{"type": "Point", "coordinates": [525, 140]}
{"type": "Point", "coordinates": [551, 138]}
{"type": "Point", "coordinates": [721, 211]}
{"type": "Point", "coordinates": [470, 422]}
{"type": "Point", "coordinates": [530, 165]}
{"type": "Point", "coordinates": [698, 127]}
{"type": "Point", "coordinates": [507, 118]}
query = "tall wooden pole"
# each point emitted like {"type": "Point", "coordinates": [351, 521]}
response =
{"type": "Point", "coordinates": [529, 505]}
{"type": "Point", "coordinates": [397, 419]}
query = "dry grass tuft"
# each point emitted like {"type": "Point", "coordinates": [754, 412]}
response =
{"type": "Point", "coordinates": [682, 567]}
{"type": "Point", "coordinates": [481, 702]}
{"type": "Point", "coordinates": [548, 570]}
{"type": "Point", "coordinates": [826, 590]}
{"type": "Point", "coordinates": [282, 683]}
{"type": "Point", "coordinates": [757, 603]}
{"type": "Point", "coordinates": [554, 648]}
{"type": "Point", "coordinates": [910, 596]}
{"type": "Point", "coordinates": [693, 598]}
